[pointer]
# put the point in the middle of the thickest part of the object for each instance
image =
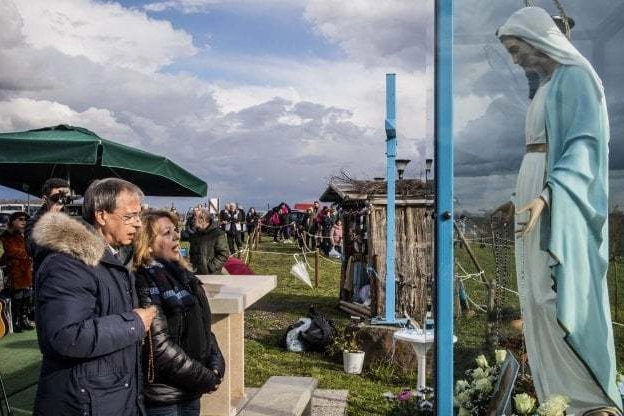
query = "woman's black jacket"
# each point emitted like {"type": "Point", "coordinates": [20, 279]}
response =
{"type": "Point", "coordinates": [177, 375]}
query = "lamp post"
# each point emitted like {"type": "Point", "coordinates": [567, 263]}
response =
{"type": "Point", "coordinates": [401, 165]}
{"type": "Point", "coordinates": [389, 317]}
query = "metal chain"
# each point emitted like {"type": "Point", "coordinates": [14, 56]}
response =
{"type": "Point", "coordinates": [560, 8]}
{"type": "Point", "coordinates": [566, 21]}
{"type": "Point", "coordinates": [496, 281]}
{"type": "Point", "coordinates": [502, 254]}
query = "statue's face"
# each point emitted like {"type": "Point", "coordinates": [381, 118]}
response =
{"type": "Point", "coordinates": [523, 54]}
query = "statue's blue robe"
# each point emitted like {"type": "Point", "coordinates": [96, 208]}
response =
{"type": "Point", "coordinates": [576, 231]}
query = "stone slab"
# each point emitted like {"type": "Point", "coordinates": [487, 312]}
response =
{"type": "Point", "coordinates": [235, 293]}
{"type": "Point", "coordinates": [284, 396]}
{"type": "Point", "coordinates": [325, 402]}
{"type": "Point", "coordinates": [329, 402]}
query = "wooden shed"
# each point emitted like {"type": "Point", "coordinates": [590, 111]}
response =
{"type": "Point", "coordinates": [362, 208]}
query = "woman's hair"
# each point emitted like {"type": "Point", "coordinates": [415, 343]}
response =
{"type": "Point", "coordinates": [143, 254]}
{"type": "Point", "coordinates": [204, 214]}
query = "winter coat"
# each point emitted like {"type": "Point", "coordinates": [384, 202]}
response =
{"type": "Point", "coordinates": [88, 334]}
{"type": "Point", "coordinates": [36, 252]}
{"type": "Point", "coordinates": [252, 221]}
{"type": "Point", "coordinates": [275, 219]}
{"type": "Point", "coordinates": [184, 350]}
{"type": "Point", "coordinates": [209, 250]}
{"type": "Point", "coordinates": [18, 263]}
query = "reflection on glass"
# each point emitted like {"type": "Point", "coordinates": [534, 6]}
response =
{"type": "Point", "coordinates": [545, 118]}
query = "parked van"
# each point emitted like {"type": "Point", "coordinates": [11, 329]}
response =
{"type": "Point", "coordinates": [11, 208]}
{"type": "Point", "coordinates": [28, 209]}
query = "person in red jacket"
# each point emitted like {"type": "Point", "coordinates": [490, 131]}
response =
{"type": "Point", "coordinates": [19, 270]}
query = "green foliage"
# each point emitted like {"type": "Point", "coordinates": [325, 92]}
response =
{"type": "Point", "coordinates": [347, 339]}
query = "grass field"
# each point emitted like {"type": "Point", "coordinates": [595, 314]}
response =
{"type": "Point", "coordinates": [267, 320]}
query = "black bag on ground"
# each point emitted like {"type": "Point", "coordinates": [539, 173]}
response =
{"type": "Point", "coordinates": [292, 326]}
{"type": "Point", "coordinates": [320, 334]}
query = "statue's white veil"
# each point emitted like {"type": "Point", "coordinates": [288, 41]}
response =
{"type": "Point", "coordinates": [536, 27]}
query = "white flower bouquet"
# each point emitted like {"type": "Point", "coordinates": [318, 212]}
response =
{"type": "Point", "coordinates": [473, 394]}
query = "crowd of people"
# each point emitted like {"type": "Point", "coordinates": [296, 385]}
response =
{"type": "Point", "coordinates": [122, 322]}
{"type": "Point", "coordinates": [317, 228]}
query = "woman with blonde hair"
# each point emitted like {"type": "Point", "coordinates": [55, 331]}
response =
{"type": "Point", "coordinates": [182, 359]}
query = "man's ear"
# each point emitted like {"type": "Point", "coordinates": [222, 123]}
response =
{"type": "Point", "coordinates": [100, 217]}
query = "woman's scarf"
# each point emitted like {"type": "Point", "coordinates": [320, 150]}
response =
{"type": "Point", "coordinates": [169, 285]}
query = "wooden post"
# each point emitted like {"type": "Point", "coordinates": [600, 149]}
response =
{"type": "Point", "coordinates": [490, 285]}
{"type": "Point", "coordinates": [617, 300]}
{"type": "Point", "coordinates": [316, 268]}
{"type": "Point", "coordinates": [460, 235]}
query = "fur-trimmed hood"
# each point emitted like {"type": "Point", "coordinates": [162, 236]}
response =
{"type": "Point", "coordinates": [59, 232]}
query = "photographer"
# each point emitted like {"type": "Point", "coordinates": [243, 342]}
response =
{"type": "Point", "coordinates": [55, 195]}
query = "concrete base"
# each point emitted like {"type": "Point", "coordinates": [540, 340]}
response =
{"type": "Point", "coordinates": [229, 296]}
{"type": "Point", "coordinates": [282, 395]}
{"type": "Point", "coordinates": [325, 402]}
{"type": "Point", "coordinates": [377, 342]}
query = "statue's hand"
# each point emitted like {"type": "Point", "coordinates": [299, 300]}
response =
{"type": "Point", "coordinates": [535, 208]}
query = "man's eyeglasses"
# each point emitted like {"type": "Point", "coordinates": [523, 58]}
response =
{"type": "Point", "coordinates": [128, 218]}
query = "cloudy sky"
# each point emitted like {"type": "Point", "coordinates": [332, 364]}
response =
{"type": "Point", "coordinates": [265, 99]}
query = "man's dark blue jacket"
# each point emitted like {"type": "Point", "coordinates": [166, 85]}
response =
{"type": "Point", "coordinates": [88, 334]}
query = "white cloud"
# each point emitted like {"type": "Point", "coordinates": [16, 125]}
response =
{"type": "Point", "coordinates": [468, 108]}
{"type": "Point", "coordinates": [376, 31]}
{"type": "Point", "coordinates": [105, 33]}
{"type": "Point", "coordinates": [235, 97]}
{"type": "Point", "coordinates": [341, 84]}
{"type": "Point", "coordinates": [290, 122]}
{"type": "Point", "coordinates": [204, 6]}
{"type": "Point", "coordinates": [11, 33]}
{"type": "Point", "coordinates": [25, 114]}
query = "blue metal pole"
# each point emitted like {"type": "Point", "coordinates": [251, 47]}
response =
{"type": "Point", "coordinates": [390, 205]}
{"type": "Point", "coordinates": [444, 205]}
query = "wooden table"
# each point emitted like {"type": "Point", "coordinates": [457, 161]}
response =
{"type": "Point", "coordinates": [229, 296]}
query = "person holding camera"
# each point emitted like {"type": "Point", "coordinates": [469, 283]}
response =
{"type": "Point", "coordinates": [55, 194]}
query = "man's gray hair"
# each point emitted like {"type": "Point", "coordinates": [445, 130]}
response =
{"type": "Point", "coordinates": [102, 195]}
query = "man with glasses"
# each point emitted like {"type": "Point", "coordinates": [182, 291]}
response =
{"type": "Point", "coordinates": [19, 270]}
{"type": "Point", "coordinates": [88, 324]}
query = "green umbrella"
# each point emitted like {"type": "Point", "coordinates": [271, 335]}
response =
{"type": "Point", "coordinates": [30, 157]}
